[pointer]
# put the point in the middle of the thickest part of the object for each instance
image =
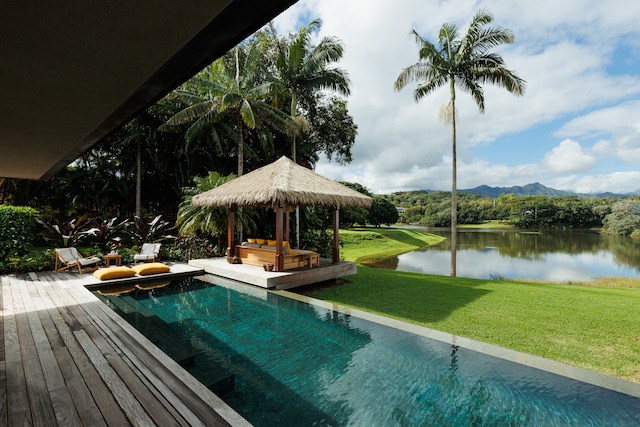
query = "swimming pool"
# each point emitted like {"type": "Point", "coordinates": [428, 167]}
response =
{"type": "Point", "coordinates": [296, 364]}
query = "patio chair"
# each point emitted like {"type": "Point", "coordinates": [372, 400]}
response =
{"type": "Point", "coordinates": [70, 258]}
{"type": "Point", "coordinates": [150, 252]}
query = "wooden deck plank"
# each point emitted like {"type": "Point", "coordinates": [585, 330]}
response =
{"type": "Point", "coordinates": [145, 355]}
{"type": "Point", "coordinates": [18, 409]}
{"type": "Point", "coordinates": [148, 355]}
{"type": "Point", "coordinates": [181, 413]}
{"type": "Point", "coordinates": [68, 359]}
{"type": "Point", "coordinates": [125, 398]}
{"type": "Point", "coordinates": [39, 399]}
{"type": "Point", "coordinates": [159, 410]}
{"type": "Point", "coordinates": [61, 401]}
{"type": "Point", "coordinates": [18, 406]}
{"type": "Point", "coordinates": [3, 365]}
{"type": "Point", "coordinates": [66, 324]}
{"type": "Point", "coordinates": [3, 393]}
{"type": "Point", "coordinates": [102, 357]}
{"type": "Point", "coordinates": [85, 406]}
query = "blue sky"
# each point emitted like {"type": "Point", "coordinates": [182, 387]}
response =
{"type": "Point", "coordinates": [576, 128]}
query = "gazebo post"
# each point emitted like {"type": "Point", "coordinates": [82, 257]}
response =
{"type": "Point", "coordinates": [230, 233]}
{"type": "Point", "coordinates": [285, 231]}
{"type": "Point", "coordinates": [336, 237]}
{"type": "Point", "coordinates": [279, 226]}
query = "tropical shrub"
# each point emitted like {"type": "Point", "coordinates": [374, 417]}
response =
{"type": "Point", "coordinates": [204, 221]}
{"type": "Point", "coordinates": [190, 246]}
{"type": "Point", "coordinates": [143, 230]}
{"type": "Point", "coordinates": [30, 262]}
{"type": "Point", "coordinates": [106, 232]}
{"type": "Point", "coordinates": [66, 233]}
{"type": "Point", "coordinates": [315, 234]}
{"type": "Point", "coordinates": [17, 230]}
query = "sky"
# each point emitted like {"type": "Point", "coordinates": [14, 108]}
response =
{"type": "Point", "coordinates": [576, 128]}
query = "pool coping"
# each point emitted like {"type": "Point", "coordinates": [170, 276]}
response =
{"type": "Point", "coordinates": [573, 372]}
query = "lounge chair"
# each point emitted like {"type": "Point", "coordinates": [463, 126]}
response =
{"type": "Point", "coordinates": [150, 252]}
{"type": "Point", "coordinates": [70, 258]}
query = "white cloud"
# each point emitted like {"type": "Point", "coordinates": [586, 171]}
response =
{"type": "Point", "coordinates": [568, 157]}
{"type": "Point", "coordinates": [617, 182]}
{"type": "Point", "coordinates": [580, 107]}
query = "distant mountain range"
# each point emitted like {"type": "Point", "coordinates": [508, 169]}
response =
{"type": "Point", "coordinates": [536, 189]}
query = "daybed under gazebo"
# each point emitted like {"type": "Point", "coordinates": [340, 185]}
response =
{"type": "Point", "coordinates": [282, 185]}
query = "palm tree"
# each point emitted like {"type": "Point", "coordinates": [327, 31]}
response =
{"type": "Point", "coordinates": [228, 96]}
{"type": "Point", "coordinates": [305, 69]}
{"type": "Point", "coordinates": [206, 220]}
{"type": "Point", "coordinates": [465, 63]}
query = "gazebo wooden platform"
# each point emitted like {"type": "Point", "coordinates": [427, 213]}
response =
{"type": "Point", "coordinates": [288, 279]}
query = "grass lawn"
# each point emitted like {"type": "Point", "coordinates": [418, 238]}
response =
{"type": "Point", "coordinates": [367, 245]}
{"type": "Point", "coordinates": [592, 327]}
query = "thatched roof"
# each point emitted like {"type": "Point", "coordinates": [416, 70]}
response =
{"type": "Point", "coordinates": [282, 181]}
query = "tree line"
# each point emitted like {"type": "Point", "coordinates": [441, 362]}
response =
{"type": "Point", "coordinates": [432, 209]}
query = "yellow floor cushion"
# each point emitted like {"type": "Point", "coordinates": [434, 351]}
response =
{"type": "Point", "coordinates": [150, 268]}
{"type": "Point", "coordinates": [113, 273]}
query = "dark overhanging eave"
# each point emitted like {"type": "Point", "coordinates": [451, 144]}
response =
{"type": "Point", "coordinates": [238, 21]}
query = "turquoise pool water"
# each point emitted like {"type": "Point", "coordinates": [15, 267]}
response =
{"type": "Point", "coordinates": [296, 364]}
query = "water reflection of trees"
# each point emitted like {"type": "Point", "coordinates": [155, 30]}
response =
{"type": "Point", "coordinates": [531, 245]}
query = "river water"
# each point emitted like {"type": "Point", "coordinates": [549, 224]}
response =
{"type": "Point", "coordinates": [554, 255]}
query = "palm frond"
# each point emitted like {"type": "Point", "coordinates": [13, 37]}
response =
{"type": "Point", "coordinates": [191, 113]}
{"type": "Point", "coordinates": [336, 80]}
{"type": "Point", "coordinates": [246, 111]}
{"type": "Point", "coordinates": [429, 87]}
{"type": "Point", "coordinates": [278, 120]}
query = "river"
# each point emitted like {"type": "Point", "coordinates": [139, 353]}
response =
{"type": "Point", "coordinates": [554, 255]}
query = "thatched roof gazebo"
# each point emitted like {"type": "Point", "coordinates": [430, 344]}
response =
{"type": "Point", "coordinates": [282, 185]}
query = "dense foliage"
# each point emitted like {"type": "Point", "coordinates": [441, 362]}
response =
{"type": "Point", "coordinates": [432, 209]}
{"type": "Point", "coordinates": [381, 211]}
{"type": "Point", "coordinates": [17, 230]}
{"type": "Point", "coordinates": [624, 217]}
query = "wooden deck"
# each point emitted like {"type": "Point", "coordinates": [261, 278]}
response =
{"type": "Point", "coordinates": [66, 359]}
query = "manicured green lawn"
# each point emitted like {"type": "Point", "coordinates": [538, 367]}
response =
{"type": "Point", "coordinates": [367, 245]}
{"type": "Point", "coordinates": [592, 327]}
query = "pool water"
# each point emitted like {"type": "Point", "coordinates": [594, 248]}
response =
{"type": "Point", "coordinates": [296, 364]}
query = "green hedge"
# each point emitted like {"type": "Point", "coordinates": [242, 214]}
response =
{"type": "Point", "coordinates": [17, 230]}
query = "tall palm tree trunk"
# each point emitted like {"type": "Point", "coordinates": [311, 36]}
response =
{"type": "Point", "coordinates": [454, 195]}
{"type": "Point", "coordinates": [240, 167]}
{"type": "Point", "coordinates": [294, 157]}
{"type": "Point", "coordinates": [139, 177]}
{"type": "Point", "coordinates": [240, 148]}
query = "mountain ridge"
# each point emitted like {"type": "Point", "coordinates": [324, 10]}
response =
{"type": "Point", "coordinates": [535, 189]}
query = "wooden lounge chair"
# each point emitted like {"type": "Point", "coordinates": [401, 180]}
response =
{"type": "Point", "coordinates": [150, 252]}
{"type": "Point", "coordinates": [70, 258]}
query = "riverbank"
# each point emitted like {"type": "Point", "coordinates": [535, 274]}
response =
{"type": "Point", "coordinates": [593, 327]}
